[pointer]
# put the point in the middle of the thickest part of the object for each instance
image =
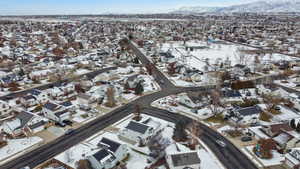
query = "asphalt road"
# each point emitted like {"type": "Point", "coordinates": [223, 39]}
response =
{"type": "Point", "coordinates": [230, 156]}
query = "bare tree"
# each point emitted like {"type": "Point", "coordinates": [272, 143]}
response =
{"type": "Point", "coordinates": [110, 97]}
{"type": "Point", "coordinates": [195, 133]}
{"type": "Point", "coordinates": [215, 105]}
{"type": "Point", "coordinates": [137, 113]}
{"type": "Point", "coordinates": [241, 56]}
{"type": "Point", "coordinates": [84, 164]}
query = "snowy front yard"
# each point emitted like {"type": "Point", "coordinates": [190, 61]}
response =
{"type": "Point", "coordinates": [137, 158]}
{"type": "Point", "coordinates": [16, 146]}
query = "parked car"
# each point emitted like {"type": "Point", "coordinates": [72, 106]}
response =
{"type": "Point", "coordinates": [277, 108]}
{"type": "Point", "coordinates": [246, 139]}
{"type": "Point", "coordinates": [84, 107]}
{"type": "Point", "coordinates": [69, 131]}
{"type": "Point", "coordinates": [93, 111]}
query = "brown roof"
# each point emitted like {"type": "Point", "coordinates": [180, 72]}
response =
{"type": "Point", "coordinates": [278, 128]}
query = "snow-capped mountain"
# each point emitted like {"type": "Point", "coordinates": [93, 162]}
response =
{"type": "Point", "coordinates": [195, 9]}
{"type": "Point", "coordinates": [258, 6]}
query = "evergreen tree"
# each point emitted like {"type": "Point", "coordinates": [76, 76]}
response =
{"type": "Point", "coordinates": [298, 127]}
{"type": "Point", "coordinates": [139, 89]}
{"type": "Point", "coordinates": [136, 60]}
{"type": "Point", "coordinates": [126, 87]}
{"type": "Point", "coordinates": [293, 124]}
{"type": "Point", "coordinates": [179, 131]}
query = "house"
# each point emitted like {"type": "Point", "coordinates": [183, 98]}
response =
{"type": "Point", "coordinates": [5, 109]}
{"type": "Point", "coordinates": [167, 57]}
{"type": "Point", "coordinates": [23, 123]}
{"type": "Point", "coordinates": [29, 100]}
{"type": "Point", "coordinates": [132, 81]}
{"type": "Point", "coordinates": [275, 129]}
{"type": "Point", "coordinates": [247, 115]}
{"type": "Point", "coordinates": [55, 112]}
{"type": "Point", "coordinates": [231, 95]}
{"type": "Point", "coordinates": [241, 70]}
{"type": "Point", "coordinates": [191, 100]}
{"type": "Point", "coordinates": [109, 155]}
{"type": "Point", "coordinates": [9, 79]}
{"type": "Point", "coordinates": [68, 105]}
{"type": "Point", "coordinates": [64, 91]}
{"type": "Point", "coordinates": [292, 158]}
{"type": "Point", "coordinates": [140, 132]}
{"type": "Point", "coordinates": [56, 92]}
{"type": "Point", "coordinates": [185, 160]}
{"type": "Point", "coordinates": [284, 136]}
{"type": "Point", "coordinates": [182, 158]}
{"type": "Point", "coordinates": [41, 96]}
{"type": "Point", "coordinates": [84, 99]}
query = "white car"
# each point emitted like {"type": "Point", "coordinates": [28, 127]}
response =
{"type": "Point", "coordinates": [221, 143]}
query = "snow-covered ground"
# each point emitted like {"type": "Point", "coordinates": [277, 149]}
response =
{"type": "Point", "coordinates": [165, 103]}
{"type": "Point", "coordinates": [210, 56]}
{"type": "Point", "coordinates": [217, 53]}
{"type": "Point", "coordinates": [136, 159]}
{"type": "Point", "coordinates": [16, 146]}
{"type": "Point", "coordinates": [276, 160]}
{"type": "Point", "coordinates": [81, 71]}
{"type": "Point", "coordinates": [286, 114]}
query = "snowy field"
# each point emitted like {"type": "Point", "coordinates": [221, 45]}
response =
{"type": "Point", "coordinates": [217, 53]}
{"type": "Point", "coordinates": [16, 146]}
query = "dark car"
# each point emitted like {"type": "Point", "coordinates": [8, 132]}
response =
{"type": "Point", "coordinates": [69, 131]}
{"type": "Point", "coordinates": [246, 139]}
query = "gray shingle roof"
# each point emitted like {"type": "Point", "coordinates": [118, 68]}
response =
{"type": "Point", "coordinates": [250, 111]}
{"type": "Point", "coordinates": [185, 159]}
{"type": "Point", "coordinates": [113, 146]}
{"type": "Point", "coordinates": [137, 127]}
{"type": "Point", "coordinates": [58, 114]}
{"type": "Point", "coordinates": [24, 117]}
{"type": "Point", "coordinates": [51, 106]}
{"type": "Point", "coordinates": [101, 154]}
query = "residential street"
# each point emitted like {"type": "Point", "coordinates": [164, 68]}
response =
{"type": "Point", "coordinates": [229, 156]}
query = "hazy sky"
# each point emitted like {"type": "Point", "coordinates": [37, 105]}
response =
{"type": "Point", "coordinates": [20, 7]}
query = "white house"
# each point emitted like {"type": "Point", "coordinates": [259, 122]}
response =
{"type": "Point", "coordinates": [134, 80]}
{"type": "Point", "coordinates": [109, 155]}
{"type": "Point", "coordinates": [24, 121]}
{"type": "Point", "coordinates": [29, 100]}
{"type": "Point", "coordinates": [85, 99]}
{"type": "Point", "coordinates": [247, 115]}
{"type": "Point", "coordinates": [63, 92]}
{"type": "Point", "coordinates": [56, 112]}
{"type": "Point", "coordinates": [167, 57]}
{"type": "Point", "coordinates": [178, 158]}
{"type": "Point", "coordinates": [292, 159]}
{"type": "Point", "coordinates": [40, 95]}
{"type": "Point", "coordinates": [190, 100]}
{"type": "Point", "coordinates": [140, 132]}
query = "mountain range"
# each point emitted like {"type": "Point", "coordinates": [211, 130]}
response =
{"type": "Point", "coordinates": [253, 7]}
